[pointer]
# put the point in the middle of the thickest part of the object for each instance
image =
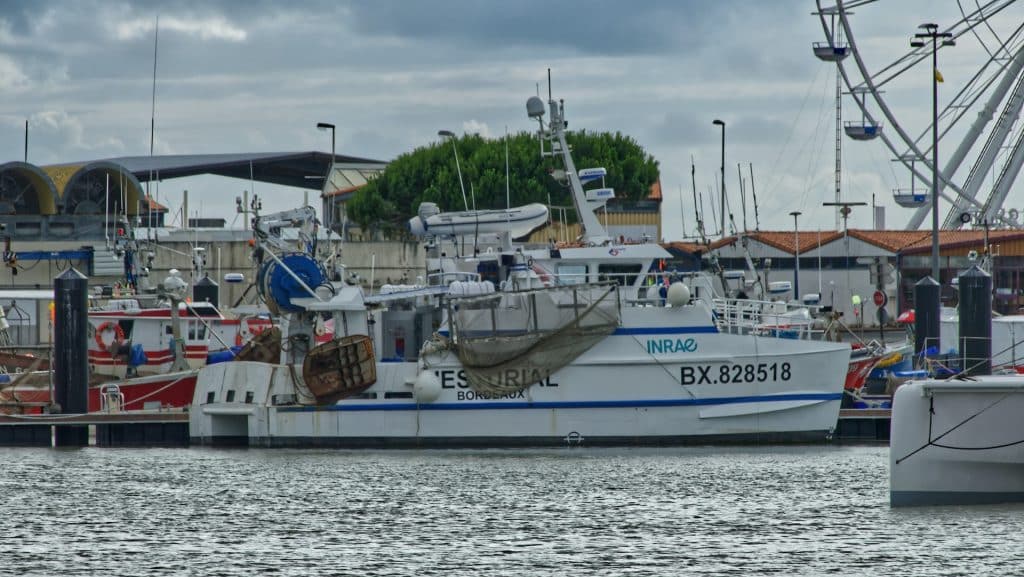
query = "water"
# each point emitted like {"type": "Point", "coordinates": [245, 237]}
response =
{"type": "Point", "coordinates": [686, 511]}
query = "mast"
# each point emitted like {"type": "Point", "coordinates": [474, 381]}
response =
{"type": "Point", "coordinates": [593, 231]}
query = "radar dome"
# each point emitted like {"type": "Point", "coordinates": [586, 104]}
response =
{"type": "Point", "coordinates": [535, 107]}
{"type": "Point", "coordinates": [678, 294]}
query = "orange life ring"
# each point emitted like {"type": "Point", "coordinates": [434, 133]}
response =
{"type": "Point", "coordinates": [118, 334]}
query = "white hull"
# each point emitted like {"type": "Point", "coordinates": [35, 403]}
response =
{"type": "Point", "coordinates": [614, 393]}
{"type": "Point", "coordinates": [958, 442]}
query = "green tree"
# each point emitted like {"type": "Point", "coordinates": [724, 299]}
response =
{"type": "Point", "coordinates": [428, 174]}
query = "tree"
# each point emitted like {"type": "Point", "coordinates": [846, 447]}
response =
{"type": "Point", "coordinates": [428, 174]}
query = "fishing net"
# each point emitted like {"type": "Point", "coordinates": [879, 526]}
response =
{"type": "Point", "coordinates": [509, 341]}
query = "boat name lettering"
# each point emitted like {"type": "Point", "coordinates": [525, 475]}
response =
{"type": "Point", "coordinates": [472, 395]}
{"type": "Point", "coordinates": [739, 373]}
{"type": "Point", "coordinates": [659, 346]}
{"type": "Point", "coordinates": [452, 379]}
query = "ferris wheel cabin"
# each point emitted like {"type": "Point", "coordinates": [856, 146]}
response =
{"type": "Point", "coordinates": [829, 52]}
{"type": "Point", "coordinates": [863, 130]}
{"type": "Point", "coordinates": [910, 199]}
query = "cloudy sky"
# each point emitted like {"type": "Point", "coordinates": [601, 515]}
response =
{"type": "Point", "coordinates": [257, 75]}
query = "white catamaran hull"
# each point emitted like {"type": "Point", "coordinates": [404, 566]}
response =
{"type": "Point", "coordinates": [651, 385]}
{"type": "Point", "coordinates": [957, 442]}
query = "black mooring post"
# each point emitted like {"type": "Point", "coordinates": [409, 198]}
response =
{"type": "Point", "coordinates": [926, 315]}
{"type": "Point", "coordinates": [975, 324]}
{"type": "Point", "coordinates": [70, 357]}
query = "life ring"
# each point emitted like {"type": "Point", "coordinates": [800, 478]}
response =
{"type": "Point", "coordinates": [118, 335]}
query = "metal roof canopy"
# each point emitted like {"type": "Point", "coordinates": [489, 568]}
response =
{"type": "Point", "coordinates": [284, 168]}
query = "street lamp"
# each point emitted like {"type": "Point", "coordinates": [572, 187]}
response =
{"type": "Point", "coordinates": [796, 245]}
{"type": "Point", "coordinates": [451, 136]}
{"type": "Point", "coordinates": [329, 201]}
{"type": "Point", "coordinates": [722, 207]}
{"type": "Point", "coordinates": [845, 208]}
{"type": "Point", "coordinates": [931, 32]}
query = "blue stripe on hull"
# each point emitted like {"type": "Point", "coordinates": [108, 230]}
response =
{"type": "Point", "coordinates": [640, 403]}
{"type": "Point", "coordinates": [644, 331]}
{"type": "Point", "coordinates": [666, 330]}
{"type": "Point", "coordinates": [483, 442]}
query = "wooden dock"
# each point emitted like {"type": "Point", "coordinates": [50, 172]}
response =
{"type": "Point", "coordinates": [120, 429]}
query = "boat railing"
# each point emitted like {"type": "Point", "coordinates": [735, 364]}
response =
{"type": "Point", "coordinates": [543, 309]}
{"type": "Point", "coordinates": [448, 277]}
{"type": "Point", "coordinates": [769, 318]}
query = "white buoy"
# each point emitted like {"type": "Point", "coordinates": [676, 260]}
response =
{"type": "Point", "coordinates": [678, 294]}
{"type": "Point", "coordinates": [426, 388]}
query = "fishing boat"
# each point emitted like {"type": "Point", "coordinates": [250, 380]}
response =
{"type": "Point", "coordinates": [567, 346]}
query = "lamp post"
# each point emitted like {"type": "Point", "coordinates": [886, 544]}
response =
{"type": "Point", "coordinates": [845, 210]}
{"type": "Point", "coordinates": [328, 217]}
{"type": "Point", "coordinates": [722, 207]}
{"type": "Point", "coordinates": [796, 261]}
{"type": "Point", "coordinates": [931, 32]}
{"type": "Point", "coordinates": [451, 136]}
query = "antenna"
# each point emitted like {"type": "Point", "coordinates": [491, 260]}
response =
{"type": "Point", "coordinates": [549, 84]}
{"type": "Point", "coordinates": [753, 193]}
{"type": "Point", "coordinates": [152, 125]}
{"type": "Point", "coordinates": [106, 214]}
{"type": "Point", "coordinates": [743, 196]}
{"type": "Point", "coordinates": [696, 207]}
{"type": "Point", "coordinates": [26, 140]}
{"type": "Point", "coordinates": [682, 215]}
{"type": "Point", "coordinates": [508, 186]}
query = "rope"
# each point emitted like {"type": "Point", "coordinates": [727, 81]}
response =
{"type": "Point", "coordinates": [665, 368]}
{"type": "Point", "coordinates": [932, 442]}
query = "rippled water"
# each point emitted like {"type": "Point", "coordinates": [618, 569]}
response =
{"type": "Point", "coordinates": [686, 511]}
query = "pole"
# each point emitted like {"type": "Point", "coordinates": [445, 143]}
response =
{"type": "Point", "coordinates": [329, 217]}
{"type": "Point", "coordinates": [71, 361]}
{"type": "Point", "coordinates": [722, 204]}
{"type": "Point", "coordinates": [796, 260]}
{"type": "Point", "coordinates": [935, 160]}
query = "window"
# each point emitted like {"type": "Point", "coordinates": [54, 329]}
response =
{"type": "Point", "coordinates": [624, 274]}
{"type": "Point", "coordinates": [572, 274]}
{"type": "Point", "coordinates": [231, 396]}
{"type": "Point", "coordinates": [210, 396]}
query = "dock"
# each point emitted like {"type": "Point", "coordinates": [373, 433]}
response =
{"type": "Point", "coordinates": [121, 429]}
{"type": "Point", "coordinates": [863, 425]}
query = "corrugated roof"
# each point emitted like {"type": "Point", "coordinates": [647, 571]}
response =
{"type": "Point", "coordinates": [961, 238]}
{"type": "Point", "coordinates": [891, 240]}
{"type": "Point", "coordinates": [284, 168]}
{"type": "Point", "coordinates": [786, 240]}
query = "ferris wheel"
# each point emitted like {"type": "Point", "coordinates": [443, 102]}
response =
{"type": "Point", "coordinates": [979, 131]}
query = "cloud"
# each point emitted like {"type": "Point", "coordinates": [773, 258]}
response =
{"type": "Point", "coordinates": [208, 28]}
{"type": "Point", "coordinates": [13, 78]}
{"type": "Point", "coordinates": [476, 127]}
{"type": "Point", "coordinates": [71, 134]}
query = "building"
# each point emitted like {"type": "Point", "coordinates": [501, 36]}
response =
{"type": "Point", "coordinates": [846, 269]}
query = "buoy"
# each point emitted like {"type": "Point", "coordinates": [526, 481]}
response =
{"type": "Point", "coordinates": [678, 294]}
{"type": "Point", "coordinates": [426, 388]}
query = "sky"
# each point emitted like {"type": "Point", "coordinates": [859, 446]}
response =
{"type": "Point", "coordinates": [258, 75]}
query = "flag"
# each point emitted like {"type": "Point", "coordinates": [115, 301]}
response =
{"type": "Point", "coordinates": [938, 76]}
